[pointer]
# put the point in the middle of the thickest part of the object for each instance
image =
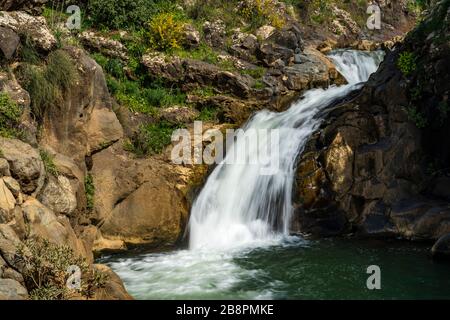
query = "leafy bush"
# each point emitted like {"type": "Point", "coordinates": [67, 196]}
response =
{"type": "Point", "coordinates": [10, 114]}
{"type": "Point", "coordinates": [151, 139]}
{"type": "Point", "coordinates": [125, 14]}
{"type": "Point", "coordinates": [166, 32]}
{"type": "Point", "coordinates": [90, 191]}
{"type": "Point", "coordinates": [407, 63]}
{"type": "Point", "coordinates": [417, 117]}
{"type": "Point", "coordinates": [49, 165]}
{"type": "Point", "coordinates": [46, 273]}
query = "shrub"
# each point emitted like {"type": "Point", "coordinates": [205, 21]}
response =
{"type": "Point", "coordinates": [260, 12]}
{"type": "Point", "coordinates": [90, 191]}
{"type": "Point", "coordinates": [166, 32]}
{"type": "Point", "coordinates": [417, 117]}
{"type": "Point", "coordinates": [49, 165]}
{"type": "Point", "coordinates": [46, 273]}
{"type": "Point", "coordinates": [126, 14]}
{"type": "Point", "coordinates": [10, 114]}
{"type": "Point", "coordinates": [60, 70]}
{"type": "Point", "coordinates": [406, 63]}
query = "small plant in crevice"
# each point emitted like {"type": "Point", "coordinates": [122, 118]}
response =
{"type": "Point", "coordinates": [45, 271]}
{"type": "Point", "coordinates": [10, 114]}
{"type": "Point", "coordinates": [49, 164]}
{"type": "Point", "coordinates": [89, 188]}
{"type": "Point", "coordinates": [407, 63]}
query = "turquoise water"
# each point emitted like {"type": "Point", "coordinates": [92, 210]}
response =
{"type": "Point", "coordinates": [294, 269]}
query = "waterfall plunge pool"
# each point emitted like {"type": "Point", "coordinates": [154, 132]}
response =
{"type": "Point", "coordinates": [290, 268]}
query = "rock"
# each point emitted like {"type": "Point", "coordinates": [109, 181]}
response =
{"type": "Point", "coordinates": [265, 32]}
{"type": "Point", "coordinates": [177, 115]}
{"type": "Point", "coordinates": [34, 27]}
{"type": "Point", "coordinates": [57, 195]}
{"type": "Point", "coordinates": [12, 290]}
{"type": "Point", "coordinates": [109, 47]}
{"type": "Point", "coordinates": [25, 164]}
{"type": "Point", "coordinates": [86, 122]}
{"type": "Point", "coordinates": [7, 200]}
{"type": "Point", "coordinates": [114, 288]}
{"type": "Point", "coordinates": [159, 65]}
{"type": "Point", "coordinates": [191, 37]}
{"type": "Point", "coordinates": [43, 223]}
{"type": "Point", "coordinates": [9, 41]}
{"type": "Point", "coordinates": [4, 167]}
{"type": "Point", "coordinates": [214, 33]}
{"type": "Point", "coordinates": [441, 249]}
{"type": "Point", "coordinates": [137, 201]}
{"type": "Point", "coordinates": [31, 6]}
{"type": "Point", "coordinates": [12, 185]}
{"type": "Point", "coordinates": [9, 242]}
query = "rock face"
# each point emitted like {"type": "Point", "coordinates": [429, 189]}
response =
{"type": "Point", "coordinates": [31, 6]}
{"type": "Point", "coordinates": [365, 171]}
{"type": "Point", "coordinates": [87, 122]}
{"type": "Point", "coordinates": [139, 201]}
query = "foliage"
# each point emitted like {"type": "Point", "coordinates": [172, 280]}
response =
{"type": "Point", "coordinates": [46, 83]}
{"type": "Point", "coordinates": [90, 191]}
{"type": "Point", "coordinates": [166, 32]}
{"type": "Point", "coordinates": [417, 117]}
{"type": "Point", "coordinates": [151, 139]}
{"type": "Point", "coordinates": [208, 114]}
{"type": "Point", "coordinates": [46, 274]}
{"type": "Point", "coordinates": [10, 114]}
{"type": "Point", "coordinates": [407, 63]}
{"type": "Point", "coordinates": [49, 165]}
{"type": "Point", "coordinates": [261, 12]}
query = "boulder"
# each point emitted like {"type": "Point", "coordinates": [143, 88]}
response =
{"type": "Point", "coordinates": [57, 195]}
{"type": "Point", "coordinates": [191, 37]}
{"type": "Point", "coordinates": [114, 288]}
{"type": "Point", "coordinates": [137, 201]}
{"type": "Point", "coordinates": [12, 290]}
{"type": "Point", "coordinates": [177, 115]}
{"type": "Point", "coordinates": [42, 222]}
{"type": "Point", "coordinates": [214, 33]}
{"type": "Point", "coordinates": [34, 27]}
{"type": "Point", "coordinates": [264, 32]}
{"type": "Point", "coordinates": [109, 47]}
{"type": "Point", "coordinates": [31, 6]}
{"type": "Point", "coordinates": [25, 164]}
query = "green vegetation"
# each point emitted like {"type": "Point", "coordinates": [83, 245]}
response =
{"type": "Point", "coordinates": [208, 114]}
{"type": "Point", "coordinates": [49, 165]}
{"type": "Point", "coordinates": [90, 191]}
{"type": "Point", "coordinates": [46, 83]}
{"type": "Point", "coordinates": [46, 271]}
{"type": "Point", "coordinates": [407, 63]}
{"type": "Point", "coordinates": [262, 12]}
{"type": "Point", "coordinates": [10, 114]}
{"type": "Point", "coordinates": [166, 32]}
{"type": "Point", "coordinates": [417, 117]}
{"type": "Point", "coordinates": [151, 139]}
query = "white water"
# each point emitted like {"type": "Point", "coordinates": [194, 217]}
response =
{"type": "Point", "coordinates": [238, 205]}
{"type": "Point", "coordinates": [240, 210]}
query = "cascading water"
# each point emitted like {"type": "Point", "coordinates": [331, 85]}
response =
{"type": "Point", "coordinates": [238, 205]}
{"type": "Point", "coordinates": [240, 211]}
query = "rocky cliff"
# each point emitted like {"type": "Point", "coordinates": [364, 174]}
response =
{"type": "Point", "coordinates": [379, 164]}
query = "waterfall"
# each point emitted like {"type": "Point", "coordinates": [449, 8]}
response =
{"type": "Point", "coordinates": [240, 206]}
